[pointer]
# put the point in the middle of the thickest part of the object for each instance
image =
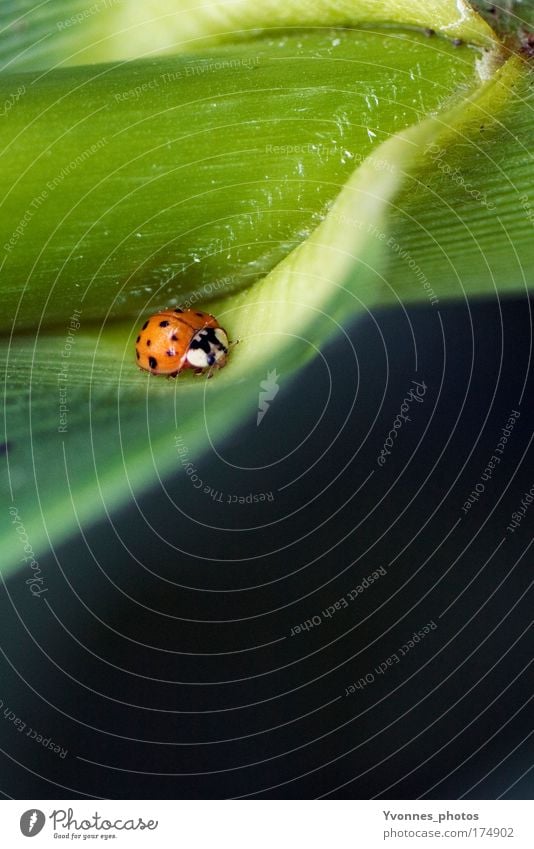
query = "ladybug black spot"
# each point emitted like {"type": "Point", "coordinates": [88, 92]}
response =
{"type": "Point", "coordinates": [138, 338]}
{"type": "Point", "coordinates": [201, 342]}
{"type": "Point", "coordinates": [145, 325]}
{"type": "Point", "coordinates": [164, 324]}
{"type": "Point", "coordinates": [199, 314]}
{"type": "Point", "coordinates": [149, 343]}
{"type": "Point", "coordinates": [174, 337]}
{"type": "Point", "coordinates": [137, 353]}
{"type": "Point", "coordinates": [152, 362]}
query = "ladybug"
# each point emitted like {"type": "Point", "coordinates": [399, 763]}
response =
{"type": "Point", "coordinates": [173, 340]}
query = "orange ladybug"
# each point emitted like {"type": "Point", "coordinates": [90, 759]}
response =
{"type": "Point", "coordinates": [173, 340]}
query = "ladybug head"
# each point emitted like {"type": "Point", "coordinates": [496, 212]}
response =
{"type": "Point", "coordinates": [209, 347]}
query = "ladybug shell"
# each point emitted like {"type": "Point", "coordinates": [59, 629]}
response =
{"type": "Point", "coordinates": [165, 338]}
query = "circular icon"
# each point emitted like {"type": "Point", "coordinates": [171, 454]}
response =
{"type": "Point", "coordinates": [31, 822]}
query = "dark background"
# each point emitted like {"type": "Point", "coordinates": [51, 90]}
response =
{"type": "Point", "coordinates": [162, 657]}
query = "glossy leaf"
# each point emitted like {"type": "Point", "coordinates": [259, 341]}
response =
{"type": "Point", "coordinates": [120, 428]}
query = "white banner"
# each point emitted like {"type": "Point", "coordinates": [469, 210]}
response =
{"type": "Point", "coordinates": [266, 824]}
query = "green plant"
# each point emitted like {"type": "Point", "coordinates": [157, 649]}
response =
{"type": "Point", "coordinates": [351, 155]}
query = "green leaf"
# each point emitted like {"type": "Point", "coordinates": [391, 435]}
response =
{"type": "Point", "coordinates": [468, 214]}
{"type": "Point", "coordinates": [156, 178]}
{"type": "Point", "coordinates": [72, 32]}
{"type": "Point", "coordinates": [43, 34]}
{"type": "Point", "coordinates": [121, 427]}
